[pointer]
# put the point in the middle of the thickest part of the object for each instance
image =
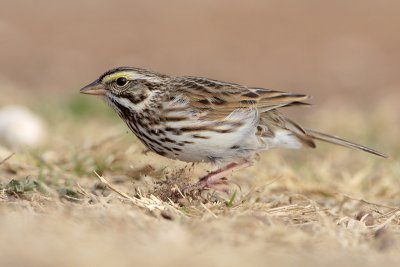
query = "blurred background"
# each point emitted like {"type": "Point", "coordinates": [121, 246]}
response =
{"type": "Point", "coordinates": [341, 49]}
{"type": "Point", "coordinates": [341, 52]}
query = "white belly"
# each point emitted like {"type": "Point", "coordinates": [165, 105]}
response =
{"type": "Point", "coordinates": [213, 146]}
{"type": "Point", "coordinates": [198, 140]}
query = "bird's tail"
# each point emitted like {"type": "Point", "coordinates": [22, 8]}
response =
{"type": "Point", "coordinates": [341, 142]}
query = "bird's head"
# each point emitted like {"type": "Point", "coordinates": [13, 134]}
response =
{"type": "Point", "coordinates": [126, 87]}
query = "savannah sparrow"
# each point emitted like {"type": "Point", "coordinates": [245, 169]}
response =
{"type": "Point", "coordinates": [197, 119]}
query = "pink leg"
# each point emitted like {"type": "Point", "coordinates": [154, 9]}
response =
{"type": "Point", "coordinates": [214, 179]}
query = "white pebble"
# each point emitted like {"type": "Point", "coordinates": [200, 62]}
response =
{"type": "Point", "coordinates": [20, 128]}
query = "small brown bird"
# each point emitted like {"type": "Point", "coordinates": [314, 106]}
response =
{"type": "Point", "coordinates": [197, 119]}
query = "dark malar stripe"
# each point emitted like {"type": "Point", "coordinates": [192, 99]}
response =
{"type": "Point", "coordinates": [126, 112]}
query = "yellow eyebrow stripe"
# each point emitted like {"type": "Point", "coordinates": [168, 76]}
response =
{"type": "Point", "coordinates": [114, 76]}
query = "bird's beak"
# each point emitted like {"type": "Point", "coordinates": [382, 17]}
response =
{"type": "Point", "coordinates": [95, 88]}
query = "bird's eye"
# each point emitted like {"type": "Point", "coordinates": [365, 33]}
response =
{"type": "Point", "coordinates": [121, 81]}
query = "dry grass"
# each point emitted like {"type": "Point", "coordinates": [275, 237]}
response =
{"type": "Point", "coordinates": [328, 207]}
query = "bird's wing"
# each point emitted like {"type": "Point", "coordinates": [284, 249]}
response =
{"type": "Point", "coordinates": [218, 99]}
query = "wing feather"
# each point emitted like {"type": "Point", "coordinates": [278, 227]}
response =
{"type": "Point", "coordinates": [220, 99]}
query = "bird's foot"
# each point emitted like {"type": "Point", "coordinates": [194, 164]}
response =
{"type": "Point", "coordinates": [216, 180]}
{"type": "Point", "coordinates": [220, 184]}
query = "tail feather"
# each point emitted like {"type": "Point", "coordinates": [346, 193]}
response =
{"type": "Point", "coordinates": [341, 142]}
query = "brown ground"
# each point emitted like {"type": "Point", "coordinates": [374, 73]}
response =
{"type": "Point", "coordinates": [329, 206]}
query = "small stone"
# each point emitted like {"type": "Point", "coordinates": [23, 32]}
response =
{"type": "Point", "coordinates": [20, 128]}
